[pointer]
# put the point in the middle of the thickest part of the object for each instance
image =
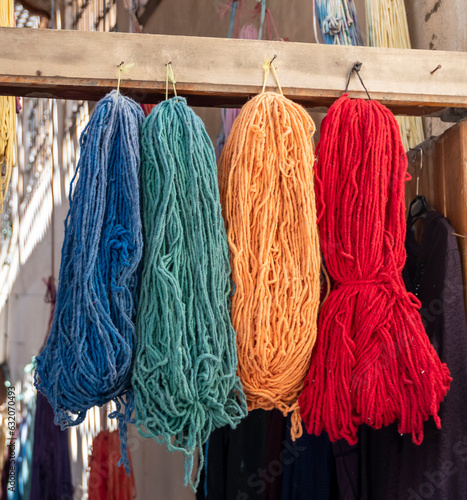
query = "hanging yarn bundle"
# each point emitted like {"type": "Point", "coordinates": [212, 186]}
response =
{"type": "Point", "coordinates": [108, 481]}
{"type": "Point", "coordinates": [184, 377]}
{"type": "Point", "coordinates": [387, 26]}
{"type": "Point", "coordinates": [373, 363]}
{"type": "Point", "coordinates": [88, 356]}
{"type": "Point", "coordinates": [267, 193]}
{"type": "Point", "coordinates": [7, 117]}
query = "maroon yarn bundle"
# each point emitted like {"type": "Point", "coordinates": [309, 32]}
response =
{"type": "Point", "coordinates": [372, 363]}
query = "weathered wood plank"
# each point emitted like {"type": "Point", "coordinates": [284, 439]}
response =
{"type": "Point", "coordinates": [224, 72]}
{"type": "Point", "coordinates": [443, 181]}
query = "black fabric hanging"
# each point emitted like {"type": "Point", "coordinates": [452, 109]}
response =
{"type": "Point", "coordinates": [273, 465]}
{"type": "Point", "coordinates": [235, 458]}
{"type": "Point", "coordinates": [388, 466]}
{"type": "Point", "coordinates": [309, 469]}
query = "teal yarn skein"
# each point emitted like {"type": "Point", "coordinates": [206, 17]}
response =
{"type": "Point", "coordinates": [185, 373]}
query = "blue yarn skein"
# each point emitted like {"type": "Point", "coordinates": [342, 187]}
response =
{"type": "Point", "coordinates": [184, 376]}
{"type": "Point", "coordinates": [88, 356]}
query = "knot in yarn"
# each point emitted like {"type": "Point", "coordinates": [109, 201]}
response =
{"type": "Point", "coordinates": [122, 249]}
{"type": "Point", "coordinates": [184, 376]}
{"type": "Point", "coordinates": [332, 25]}
{"type": "Point", "coordinates": [88, 356]}
{"type": "Point", "coordinates": [267, 193]}
{"type": "Point", "coordinates": [373, 363]}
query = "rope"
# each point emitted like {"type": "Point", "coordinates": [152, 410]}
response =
{"type": "Point", "coordinates": [88, 355]}
{"type": "Point", "coordinates": [170, 77]}
{"type": "Point", "coordinates": [106, 480]}
{"type": "Point", "coordinates": [387, 27]}
{"type": "Point", "coordinates": [266, 183]}
{"type": "Point", "coordinates": [269, 66]}
{"type": "Point", "coordinates": [7, 117]}
{"type": "Point", "coordinates": [184, 375]}
{"type": "Point", "coordinates": [373, 363]}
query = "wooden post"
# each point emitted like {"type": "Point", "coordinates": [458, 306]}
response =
{"type": "Point", "coordinates": [443, 181]}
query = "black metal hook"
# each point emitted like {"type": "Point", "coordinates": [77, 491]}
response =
{"type": "Point", "coordinates": [357, 67]}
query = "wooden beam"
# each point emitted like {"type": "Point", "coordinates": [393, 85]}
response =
{"type": "Point", "coordinates": [224, 72]}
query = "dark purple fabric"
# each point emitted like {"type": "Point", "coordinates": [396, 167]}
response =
{"type": "Point", "coordinates": [51, 472]}
{"type": "Point", "coordinates": [347, 460]}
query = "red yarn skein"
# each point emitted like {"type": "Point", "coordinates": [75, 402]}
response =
{"type": "Point", "coordinates": [108, 481]}
{"type": "Point", "coordinates": [372, 363]}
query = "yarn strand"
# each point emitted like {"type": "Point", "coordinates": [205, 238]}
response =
{"type": "Point", "coordinates": [267, 192]}
{"type": "Point", "coordinates": [184, 377]}
{"type": "Point", "coordinates": [88, 356]}
{"type": "Point", "coordinates": [7, 117]}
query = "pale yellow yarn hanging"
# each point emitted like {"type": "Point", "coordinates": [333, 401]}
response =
{"type": "Point", "coordinates": [386, 23]}
{"type": "Point", "coordinates": [7, 116]}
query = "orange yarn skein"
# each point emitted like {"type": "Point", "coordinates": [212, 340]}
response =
{"type": "Point", "coordinates": [268, 200]}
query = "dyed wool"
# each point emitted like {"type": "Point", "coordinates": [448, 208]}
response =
{"type": "Point", "coordinates": [106, 480]}
{"type": "Point", "coordinates": [387, 26]}
{"type": "Point", "coordinates": [88, 356]}
{"type": "Point", "coordinates": [373, 363]}
{"type": "Point", "coordinates": [266, 183]}
{"type": "Point", "coordinates": [184, 378]}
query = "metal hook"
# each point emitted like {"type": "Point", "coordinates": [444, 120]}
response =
{"type": "Point", "coordinates": [357, 67]}
{"type": "Point", "coordinates": [420, 170]}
